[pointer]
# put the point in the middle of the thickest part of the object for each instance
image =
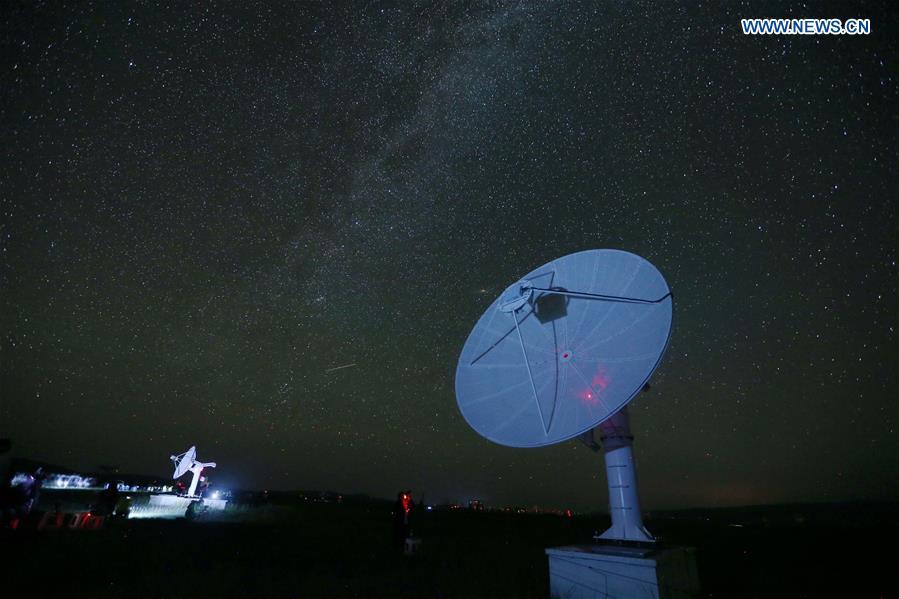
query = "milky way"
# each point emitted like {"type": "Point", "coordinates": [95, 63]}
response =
{"type": "Point", "coordinates": [207, 209]}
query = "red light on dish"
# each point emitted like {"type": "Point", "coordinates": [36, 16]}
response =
{"type": "Point", "coordinates": [588, 396]}
{"type": "Point", "coordinates": [600, 380]}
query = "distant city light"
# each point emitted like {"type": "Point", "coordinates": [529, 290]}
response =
{"type": "Point", "coordinates": [58, 481]}
{"type": "Point", "coordinates": [77, 482]}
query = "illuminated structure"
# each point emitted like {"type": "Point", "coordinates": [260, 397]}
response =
{"type": "Point", "coordinates": [558, 354]}
{"type": "Point", "coordinates": [187, 462]}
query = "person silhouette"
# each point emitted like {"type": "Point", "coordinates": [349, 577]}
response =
{"type": "Point", "coordinates": [107, 500]}
{"type": "Point", "coordinates": [403, 513]}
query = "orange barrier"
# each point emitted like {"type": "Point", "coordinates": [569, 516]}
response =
{"type": "Point", "coordinates": [92, 522]}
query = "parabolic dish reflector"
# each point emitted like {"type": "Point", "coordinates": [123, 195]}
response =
{"type": "Point", "coordinates": [185, 462]}
{"type": "Point", "coordinates": [564, 348]}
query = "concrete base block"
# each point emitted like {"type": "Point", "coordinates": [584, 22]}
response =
{"type": "Point", "coordinates": [616, 571]}
{"type": "Point", "coordinates": [168, 506]}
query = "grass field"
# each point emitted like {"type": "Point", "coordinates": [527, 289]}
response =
{"type": "Point", "coordinates": [340, 550]}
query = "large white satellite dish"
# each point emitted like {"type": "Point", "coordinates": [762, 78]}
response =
{"type": "Point", "coordinates": [187, 462]}
{"type": "Point", "coordinates": [562, 351]}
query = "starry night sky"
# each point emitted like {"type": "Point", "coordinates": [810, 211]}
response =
{"type": "Point", "coordinates": [205, 207]}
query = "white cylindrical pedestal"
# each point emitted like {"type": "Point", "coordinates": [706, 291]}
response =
{"type": "Point", "coordinates": [624, 503]}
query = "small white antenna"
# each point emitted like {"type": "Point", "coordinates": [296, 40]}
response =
{"type": "Point", "coordinates": [187, 462]}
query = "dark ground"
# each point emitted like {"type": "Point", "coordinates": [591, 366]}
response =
{"type": "Point", "coordinates": [331, 550]}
